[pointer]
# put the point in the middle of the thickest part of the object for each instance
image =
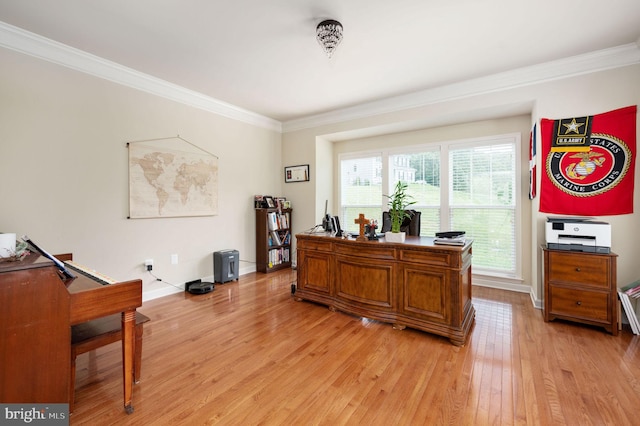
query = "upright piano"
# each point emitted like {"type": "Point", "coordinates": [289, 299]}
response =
{"type": "Point", "coordinates": [37, 309]}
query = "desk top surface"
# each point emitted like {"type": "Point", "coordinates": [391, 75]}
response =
{"type": "Point", "coordinates": [409, 241]}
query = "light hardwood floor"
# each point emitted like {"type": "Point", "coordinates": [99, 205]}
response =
{"type": "Point", "coordinates": [248, 354]}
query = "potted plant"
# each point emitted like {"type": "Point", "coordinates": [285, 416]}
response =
{"type": "Point", "coordinates": [398, 203]}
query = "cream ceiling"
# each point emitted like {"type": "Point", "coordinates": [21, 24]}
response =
{"type": "Point", "coordinates": [262, 56]}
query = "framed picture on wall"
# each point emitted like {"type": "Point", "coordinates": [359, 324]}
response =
{"type": "Point", "coordinates": [296, 173]}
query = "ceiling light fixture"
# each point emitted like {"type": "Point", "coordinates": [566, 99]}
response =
{"type": "Point", "coordinates": [329, 35]}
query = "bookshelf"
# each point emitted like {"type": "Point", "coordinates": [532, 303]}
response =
{"type": "Point", "coordinates": [273, 239]}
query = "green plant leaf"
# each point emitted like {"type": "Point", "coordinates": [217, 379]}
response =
{"type": "Point", "coordinates": [398, 203]}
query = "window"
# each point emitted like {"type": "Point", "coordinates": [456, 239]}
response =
{"type": "Point", "coordinates": [360, 189]}
{"type": "Point", "coordinates": [466, 186]}
{"type": "Point", "coordinates": [421, 171]}
{"type": "Point", "coordinates": [482, 200]}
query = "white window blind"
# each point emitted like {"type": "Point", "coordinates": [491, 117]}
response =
{"type": "Point", "coordinates": [482, 185]}
{"type": "Point", "coordinates": [360, 189]}
{"type": "Point", "coordinates": [421, 172]}
{"type": "Point", "coordinates": [469, 186]}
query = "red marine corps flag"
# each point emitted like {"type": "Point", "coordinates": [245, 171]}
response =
{"type": "Point", "coordinates": [595, 177]}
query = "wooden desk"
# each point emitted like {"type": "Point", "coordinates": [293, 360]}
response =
{"type": "Point", "coordinates": [37, 311]}
{"type": "Point", "coordinates": [413, 284]}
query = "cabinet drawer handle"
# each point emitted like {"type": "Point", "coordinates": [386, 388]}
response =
{"type": "Point", "coordinates": [578, 303]}
{"type": "Point", "coordinates": [577, 269]}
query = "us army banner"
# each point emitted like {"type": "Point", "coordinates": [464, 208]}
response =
{"type": "Point", "coordinates": [598, 181]}
{"type": "Point", "coordinates": [572, 134]}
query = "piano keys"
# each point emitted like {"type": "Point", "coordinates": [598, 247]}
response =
{"type": "Point", "coordinates": [88, 272]}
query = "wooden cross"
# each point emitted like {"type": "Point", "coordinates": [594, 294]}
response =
{"type": "Point", "coordinates": [362, 222]}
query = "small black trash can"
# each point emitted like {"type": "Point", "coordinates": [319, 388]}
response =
{"type": "Point", "coordinates": [225, 265]}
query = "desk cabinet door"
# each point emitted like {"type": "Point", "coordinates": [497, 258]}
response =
{"type": "Point", "coordinates": [366, 284]}
{"type": "Point", "coordinates": [314, 271]}
{"type": "Point", "coordinates": [425, 293]}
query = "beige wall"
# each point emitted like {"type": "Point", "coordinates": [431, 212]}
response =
{"type": "Point", "coordinates": [63, 165]}
{"type": "Point", "coordinates": [64, 175]}
{"type": "Point", "coordinates": [582, 95]}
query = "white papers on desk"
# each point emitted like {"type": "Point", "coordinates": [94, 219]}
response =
{"type": "Point", "coordinates": [456, 241]}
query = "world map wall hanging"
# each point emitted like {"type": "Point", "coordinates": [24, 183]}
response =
{"type": "Point", "coordinates": [171, 177]}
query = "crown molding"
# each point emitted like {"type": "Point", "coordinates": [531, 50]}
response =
{"type": "Point", "coordinates": [32, 44]}
{"type": "Point", "coordinates": [616, 57]}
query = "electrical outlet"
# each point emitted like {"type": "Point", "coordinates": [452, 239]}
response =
{"type": "Point", "coordinates": [149, 264]}
{"type": "Point", "coordinates": [174, 259]}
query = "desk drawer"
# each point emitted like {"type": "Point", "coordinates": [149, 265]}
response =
{"type": "Point", "coordinates": [370, 251]}
{"type": "Point", "coordinates": [580, 269]}
{"type": "Point", "coordinates": [590, 305]}
{"type": "Point", "coordinates": [316, 245]}
{"type": "Point", "coordinates": [442, 259]}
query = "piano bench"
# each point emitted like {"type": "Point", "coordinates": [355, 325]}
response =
{"type": "Point", "coordinates": [100, 332]}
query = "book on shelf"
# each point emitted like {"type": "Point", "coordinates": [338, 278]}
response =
{"type": "Point", "coordinates": [275, 238]}
{"type": "Point", "coordinates": [272, 219]}
{"type": "Point", "coordinates": [286, 238]}
{"type": "Point", "coordinates": [283, 220]}
{"type": "Point", "coordinates": [278, 256]}
{"type": "Point", "coordinates": [278, 220]}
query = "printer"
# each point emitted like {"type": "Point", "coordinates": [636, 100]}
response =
{"type": "Point", "coordinates": [578, 234]}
